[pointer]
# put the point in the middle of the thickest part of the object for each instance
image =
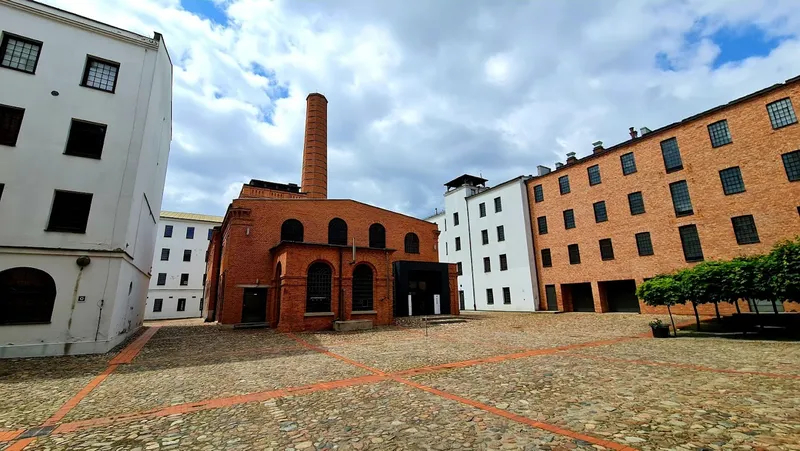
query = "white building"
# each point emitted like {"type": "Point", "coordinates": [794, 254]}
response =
{"type": "Point", "coordinates": [487, 233]}
{"type": "Point", "coordinates": [85, 130]}
{"type": "Point", "coordinates": [179, 265]}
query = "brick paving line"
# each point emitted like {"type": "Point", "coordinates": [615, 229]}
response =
{"type": "Point", "coordinates": [256, 352]}
{"type": "Point", "coordinates": [19, 445]}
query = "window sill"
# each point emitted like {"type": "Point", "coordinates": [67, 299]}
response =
{"type": "Point", "coordinates": [312, 314]}
{"type": "Point", "coordinates": [775, 128]}
{"type": "Point", "coordinates": [99, 89]}
{"type": "Point", "coordinates": [80, 232]}
{"type": "Point", "coordinates": [22, 70]}
{"type": "Point", "coordinates": [364, 312]}
{"type": "Point", "coordinates": [33, 323]}
{"type": "Point", "coordinates": [721, 145]}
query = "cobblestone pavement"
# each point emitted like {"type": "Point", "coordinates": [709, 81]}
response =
{"type": "Point", "coordinates": [498, 381]}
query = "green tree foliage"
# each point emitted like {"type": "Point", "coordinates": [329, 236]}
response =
{"type": "Point", "coordinates": [661, 290]}
{"type": "Point", "coordinates": [784, 265]}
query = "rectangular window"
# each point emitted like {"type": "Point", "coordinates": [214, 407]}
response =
{"type": "Point", "coordinates": [680, 198]}
{"type": "Point", "coordinates": [2, 187]}
{"type": "Point", "coordinates": [70, 212]}
{"type": "Point", "coordinates": [781, 113]}
{"type": "Point", "coordinates": [498, 205]}
{"type": "Point", "coordinates": [10, 123]}
{"type": "Point", "coordinates": [485, 236]}
{"type": "Point", "coordinates": [86, 139]}
{"type": "Point", "coordinates": [204, 279]}
{"type": "Point", "coordinates": [162, 278]}
{"type": "Point", "coordinates": [181, 305]}
{"type": "Point", "coordinates": [643, 244]}
{"type": "Point", "coordinates": [164, 254]}
{"type": "Point", "coordinates": [569, 219]}
{"type": "Point", "coordinates": [574, 254]}
{"type": "Point", "coordinates": [446, 248]}
{"type": "Point", "coordinates": [458, 243]}
{"type": "Point", "coordinates": [672, 155]}
{"type": "Point", "coordinates": [210, 231]}
{"type": "Point", "coordinates": [503, 262]}
{"type": "Point", "coordinates": [506, 295]}
{"type": "Point", "coordinates": [482, 209]}
{"type": "Point", "coordinates": [455, 219]}
{"type": "Point", "coordinates": [20, 53]}
{"type": "Point", "coordinates": [606, 249]}
{"type": "Point", "coordinates": [501, 233]}
{"type": "Point", "coordinates": [791, 163]}
{"type": "Point", "coordinates": [489, 297]}
{"type": "Point", "coordinates": [459, 269]}
{"type": "Point", "coordinates": [100, 74]}
{"type": "Point", "coordinates": [190, 233]}
{"type": "Point", "coordinates": [157, 305]}
{"type": "Point", "coordinates": [187, 255]}
{"type": "Point", "coordinates": [745, 229]}
{"type": "Point", "coordinates": [563, 184]}
{"type": "Point", "coordinates": [541, 222]}
{"type": "Point", "coordinates": [184, 279]}
{"type": "Point", "coordinates": [636, 203]}
{"type": "Point", "coordinates": [487, 264]}
{"type": "Point", "coordinates": [547, 259]}
{"type": "Point", "coordinates": [600, 214]}
{"type": "Point", "coordinates": [690, 241]}
{"type": "Point", "coordinates": [594, 175]}
{"type": "Point", "coordinates": [731, 179]}
{"type": "Point", "coordinates": [719, 133]}
{"type": "Point", "coordinates": [538, 193]}
{"type": "Point", "coordinates": [628, 163]}
{"type": "Point", "coordinates": [167, 231]}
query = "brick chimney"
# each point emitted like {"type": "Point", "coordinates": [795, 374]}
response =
{"type": "Point", "coordinates": [571, 158]}
{"type": "Point", "coordinates": [633, 132]}
{"type": "Point", "coordinates": [597, 146]}
{"type": "Point", "coordinates": [315, 148]}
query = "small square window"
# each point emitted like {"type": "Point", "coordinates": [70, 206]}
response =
{"type": "Point", "coordinates": [187, 255]}
{"type": "Point", "coordinates": [606, 249]}
{"type": "Point", "coordinates": [458, 243]}
{"type": "Point", "coordinates": [181, 305]}
{"type": "Point", "coordinates": [574, 254]}
{"type": "Point", "coordinates": [459, 269]}
{"type": "Point", "coordinates": [503, 262]}
{"type": "Point", "coordinates": [157, 305]}
{"type": "Point", "coordinates": [690, 241]}
{"type": "Point", "coordinates": [680, 198]}
{"type": "Point", "coordinates": [594, 175]}
{"type": "Point", "coordinates": [791, 163]}
{"type": "Point", "coordinates": [184, 279]}
{"type": "Point", "coordinates": [210, 231]}
{"type": "Point", "coordinates": [672, 155]}
{"type": "Point", "coordinates": [600, 214]}
{"type": "Point", "coordinates": [745, 229]}
{"type": "Point", "coordinates": [541, 222]}
{"type": "Point", "coordinates": [85, 139]}
{"type": "Point", "coordinates": [455, 219]}
{"type": "Point", "coordinates": [70, 212]}
{"type": "Point", "coordinates": [506, 295]}
{"type": "Point", "coordinates": [501, 233]}
{"type": "Point", "coordinates": [485, 236]}
{"type": "Point", "coordinates": [643, 244]}
{"type": "Point", "coordinates": [732, 182]}
{"type": "Point", "coordinates": [563, 184]}
{"type": "Point", "coordinates": [10, 124]}
{"type": "Point", "coordinates": [100, 74]}
{"type": "Point", "coordinates": [538, 194]}
{"type": "Point", "coordinates": [20, 53]}
{"type": "Point", "coordinates": [719, 133]}
{"type": "Point", "coordinates": [167, 231]}
{"type": "Point", "coordinates": [547, 259]}
{"type": "Point", "coordinates": [190, 233]}
{"type": "Point", "coordinates": [2, 187]}
{"type": "Point", "coordinates": [636, 203]}
{"type": "Point", "coordinates": [164, 254]}
{"type": "Point", "coordinates": [489, 297]}
{"type": "Point", "coordinates": [569, 219]}
{"type": "Point", "coordinates": [781, 113]}
{"type": "Point", "coordinates": [482, 209]}
{"type": "Point", "coordinates": [162, 278]}
{"type": "Point", "coordinates": [628, 163]}
{"type": "Point", "coordinates": [487, 264]}
{"type": "Point", "coordinates": [498, 205]}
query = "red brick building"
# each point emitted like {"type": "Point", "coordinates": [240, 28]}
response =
{"type": "Point", "coordinates": [289, 257]}
{"type": "Point", "coordinates": [720, 184]}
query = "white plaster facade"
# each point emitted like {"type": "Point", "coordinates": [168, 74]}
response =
{"type": "Point", "coordinates": [98, 306]}
{"type": "Point", "coordinates": [519, 278]}
{"type": "Point", "coordinates": [175, 265]}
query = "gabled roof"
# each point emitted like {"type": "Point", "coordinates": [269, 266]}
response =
{"type": "Point", "coordinates": [190, 216]}
{"type": "Point", "coordinates": [465, 179]}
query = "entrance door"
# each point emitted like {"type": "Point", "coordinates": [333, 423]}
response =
{"type": "Point", "coordinates": [621, 295]}
{"type": "Point", "coordinates": [254, 305]}
{"type": "Point", "coordinates": [461, 300]}
{"type": "Point", "coordinates": [581, 293]}
{"type": "Point", "coordinates": [550, 295]}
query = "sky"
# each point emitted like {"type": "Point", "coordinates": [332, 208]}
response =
{"type": "Point", "coordinates": [423, 91]}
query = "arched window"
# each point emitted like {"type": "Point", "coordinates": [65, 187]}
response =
{"type": "Point", "coordinates": [337, 232]}
{"type": "Point", "coordinates": [362, 288]}
{"type": "Point", "coordinates": [27, 296]}
{"type": "Point", "coordinates": [377, 236]}
{"type": "Point", "coordinates": [318, 288]}
{"type": "Point", "coordinates": [412, 243]}
{"type": "Point", "coordinates": [292, 230]}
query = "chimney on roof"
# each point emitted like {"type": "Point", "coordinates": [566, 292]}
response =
{"type": "Point", "coordinates": [559, 165]}
{"type": "Point", "coordinates": [571, 157]}
{"type": "Point", "coordinates": [633, 132]}
{"type": "Point", "coordinates": [644, 130]}
{"type": "Point", "coordinates": [597, 146]}
{"type": "Point", "coordinates": [315, 148]}
{"type": "Point", "coordinates": [542, 170]}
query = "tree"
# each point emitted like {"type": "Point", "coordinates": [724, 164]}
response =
{"type": "Point", "coordinates": [749, 278]}
{"type": "Point", "coordinates": [784, 274]}
{"type": "Point", "coordinates": [661, 290]}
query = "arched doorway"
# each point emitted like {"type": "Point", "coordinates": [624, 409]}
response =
{"type": "Point", "coordinates": [278, 274]}
{"type": "Point", "coordinates": [27, 296]}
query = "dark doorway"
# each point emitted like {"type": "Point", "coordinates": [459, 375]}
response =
{"type": "Point", "coordinates": [254, 305]}
{"type": "Point", "coordinates": [620, 295]}
{"type": "Point", "coordinates": [461, 300]}
{"type": "Point", "coordinates": [579, 296]}
{"type": "Point", "coordinates": [278, 274]}
{"type": "Point", "coordinates": [550, 295]}
{"type": "Point", "coordinates": [421, 281]}
{"type": "Point", "coordinates": [27, 296]}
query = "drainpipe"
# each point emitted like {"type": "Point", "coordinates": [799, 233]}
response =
{"type": "Point", "coordinates": [471, 266]}
{"type": "Point", "coordinates": [341, 290]}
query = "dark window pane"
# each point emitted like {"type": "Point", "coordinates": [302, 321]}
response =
{"type": "Point", "coordinates": [506, 295]}
{"type": "Point", "coordinates": [745, 229]}
{"type": "Point", "coordinates": [157, 305]}
{"type": "Point", "coordinates": [292, 230]}
{"type": "Point", "coordinates": [487, 264]}
{"type": "Point", "coordinates": [606, 249]}
{"type": "Point", "coordinates": [482, 209]}
{"type": "Point", "coordinates": [628, 163]}
{"type": "Point", "coordinates": [377, 236]}
{"type": "Point", "coordinates": [187, 255]}
{"type": "Point", "coordinates": [547, 260]}
{"type": "Point", "coordinates": [791, 162]}
{"type": "Point", "coordinates": [190, 233]}
{"type": "Point", "coordinates": [459, 269]}
{"type": "Point", "coordinates": [184, 279]}
{"type": "Point", "coordinates": [680, 198]}
{"type": "Point", "coordinates": [167, 231]}
{"type": "Point", "coordinates": [164, 254]}
{"type": "Point", "coordinates": [541, 222]}
{"type": "Point", "coordinates": [455, 219]}
{"type": "Point", "coordinates": [489, 297]}
{"type": "Point", "coordinates": [458, 243]}
{"type": "Point", "coordinates": [503, 262]}
{"type": "Point", "coordinates": [563, 184]}
{"type": "Point", "coordinates": [538, 193]}
{"type": "Point", "coordinates": [2, 187]}
{"type": "Point", "coordinates": [162, 278]}
{"type": "Point", "coordinates": [498, 205]}
{"type": "Point", "coordinates": [362, 288]}
{"type": "Point", "coordinates": [574, 254]}
{"type": "Point", "coordinates": [690, 241]}
{"type": "Point", "coordinates": [210, 231]}
{"type": "Point", "coordinates": [781, 113]}
{"type": "Point", "coordinates": [70, 212]}
{"type": "Point", "coordinates": [19, 53]}
{"type": "Point", "coordinates": [672, 155]}
{"type": "Point", "coordinates": [501, 233]}
{"type": "Point", "coordinates": [732, 182]}
{"type": "Point", "coordinates": [181, 305]}
{"type": "Point", "coordinates": [10, 123]}
{"type": "Point", "coordinates": [594, 175]}
{"type": "Point", "coordinates": [569, 219]}
{"type": "Point", "coordinates": [100, 75]}
{"type": "Point", "coordinates": [85, 139]}
{"type": "Point", "coordinates": [719, 133]}
{"type": "Point", "coordinates": [643, 244]}
{"type": "Point", "coordinates": [318, 288]}
{"type": "Point", "coordinates": [600, 214]}
{"type": "Point", "coordinates": [484, 237]}
{"type": "Point", "coordinates": [337, 232]}
{"type": "Point", "coordinates": [636, 203]}
{"type": "Point", "coordinates": [412, 243]}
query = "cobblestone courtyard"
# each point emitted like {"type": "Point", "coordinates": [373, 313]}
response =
{"type": "Point", "coordinates": [498, 381]}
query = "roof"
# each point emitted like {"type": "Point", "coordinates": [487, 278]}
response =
{"type": "Point", "coordinates": [287, 187]}
{"type": "Point", "coordinates": [190, 216]}
{"type": "Point", "coordinates": [465, 179]}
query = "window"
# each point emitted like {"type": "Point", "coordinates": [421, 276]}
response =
{"type": "Point", "coordinates": [719, 133]}
{"type": "Point", "coordinates": [487, 264]}
{"type": "Point", "coordinates": [600, 214]}
{"type": "Point", "coordinates": [184, 279]}
{"type": "Point", "coordinates": [541, 222]}
{"type": "Point", "coordinates": [210, 231]}
{"type": "Point", "coordinates": [547, 260]}
{"type": "Point", "coordinates": [680, 198]}
{"type": "Point", "coordinates": [506, 295]}
{"type": "Point", "coordinates": [162, 278]}
{"type": "Point", "coordinates": [187, 255]}
{"type": "Point", "coordinates": [459, 269]}
{"type": "Point", "coordinates": [377, 236]}
{"type": "Point", "coordinates": [672, 155]}
{"type": "Point", "coordinates": [636, 203]}
{"type": "Point", "coordinates": [489, 297]}
{"type": "Point", "coordinates": [594, 175]}
{"type": "Point", "coordinates": [563, 184]}
{"type": "Point", "coordinates": [569, 219]}
{"type": "Point", "coordinates": [643, 244]}
{"type": "Point", "coordinates": [20, 53]}
{"type": "Point", "coordinates": [781, 113]}
{"type": "Point", "coordinates": [10, 123]}
{"type": "Point", "coordinates": [2, 187]}
{"type": "Point", "coordinates": [538, 193]}
{"type": "Point", "coordinates": [337, 232]}
{"type": "Point", "coordinates": [27, 296]}
{"type": "Point", "coordinates": [412, 243]}
{"type": "Point", "coordinates": [485, 236]}
{"type": "Point", "coordinates": [574, 254]}
{"type": "Point", "coordinates": [292, 230]}
{"type": "Point", "coordinates": [482, 209]}
{"type": "Point", "coordinates": [204, 279]}
{"type": "Point", "coordinates": [606, 249]}
{"type": "Point", "coordinates": [498, 205]}
{"type": "Point", "coordinates": [157, 305]}
{"type": "Point", "coordinates": [446, 248]}
{"type": "Point", "coordinates": [181, 305]}
{"type": "Point", "coordinates": [362, 288]}
{"type": "Point", "coordinates": [690, 241]}
{"type": "Point", "coordinates": [503, 262]}
{"type": "Point", "coordinates": [745, 229]}
{"type": "Point", "coordinates": [501, 233]}
{"type": "Point", "coordinates": [167, 231]}
{"type": "Point", "coordinates": [164, 254]}
{"type": "Point", "coordinates": [455, 219]}
{"type": "Point", "coordinates": [100, 74]}
{"type": "Point", "coordinates": [85, 139]}
{"type": "Point", "coordinates": [70, 212]}
{"type": "Point", "coordinates": [190, 233]}
{"type": "Point", "coordinates": [791, 162]}
{"type": "Point", "coordinates": [628, 163]}
{"type": "Point", "coordinates": [458, 243]}
{"type": "Point", "coordinates": [318, 288]}
{"type": "Point", "coordinates": [732, 182]}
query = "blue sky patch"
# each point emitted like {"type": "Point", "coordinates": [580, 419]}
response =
{"type": "Point", "coordinates": [206, 9]}
{"type": "Point", "coordinates": [740, 43]}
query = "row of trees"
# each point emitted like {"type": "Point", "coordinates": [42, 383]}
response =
{"type": "Point", "coordinates": [774, 277]}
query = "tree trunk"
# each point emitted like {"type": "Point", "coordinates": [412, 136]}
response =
{"type": "Point", "coordinates": [736, 303]}
{"type": "Point", "coordinates": [696, 315]}
{"type": "Point", "coordinates": [672, 320]}
{"type": "Point", "coordinates": [716, 309]}
{"type": "Point", "coordinates": [774, 307]}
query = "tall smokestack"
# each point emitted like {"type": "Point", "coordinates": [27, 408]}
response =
{"type": "Point", "coordinates": [315, 148]}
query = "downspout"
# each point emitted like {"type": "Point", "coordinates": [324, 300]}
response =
{"type": "Point", "coordinates": [471, 266]}
{"type": "Point", "coordinates": [341, 289]}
